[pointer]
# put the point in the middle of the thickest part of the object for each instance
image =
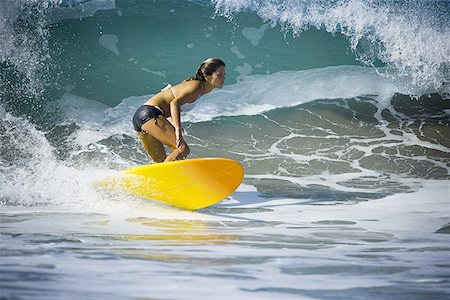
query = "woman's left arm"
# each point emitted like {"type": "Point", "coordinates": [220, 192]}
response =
{"type": "Point", "coordinates": [188, 95]}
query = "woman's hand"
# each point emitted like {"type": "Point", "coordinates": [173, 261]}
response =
{"type": "Point", "coordinates": [179, 137]}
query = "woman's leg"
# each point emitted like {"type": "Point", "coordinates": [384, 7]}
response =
{"type": "Point", "coordinates": [153, 147]}
{"type": "Point", "coordinates": [164, 132]}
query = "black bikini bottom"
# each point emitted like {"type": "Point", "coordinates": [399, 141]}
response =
{"type": "Point", "coordinates": [144, 114]}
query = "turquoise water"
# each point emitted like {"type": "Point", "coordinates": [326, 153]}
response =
{"type": "Point", "coordinates": [338, 111]}
{"type": "Point", "coordinates": [151, 44]}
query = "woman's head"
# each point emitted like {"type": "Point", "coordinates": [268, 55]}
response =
{"type": "Point", "coordinates": [207, 69]}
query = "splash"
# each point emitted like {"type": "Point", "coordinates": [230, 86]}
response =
{"type": "Point", "coordinates": [411, 37]}
{"type": "Point", "coordinates": [24, 51]}
{"type": "Point", "coordinates": [31, 173]}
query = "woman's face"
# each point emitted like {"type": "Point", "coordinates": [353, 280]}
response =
{"type": "Point", "coordinates": [217, 79]}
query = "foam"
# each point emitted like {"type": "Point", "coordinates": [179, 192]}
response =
{"type": "Point", "coordinates": [32, 175]}
{"type": "Point", "coordinates": [254, 35]}
{"type": "Point", "coordinates": [109, 42]}
{"type": "Point", "coordinates": [78, 9]}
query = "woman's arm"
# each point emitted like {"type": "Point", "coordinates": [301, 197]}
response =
{"type": "Point", "coordinates": [175, 113]}
{"type": "Point", "coordinates": [187, 95]}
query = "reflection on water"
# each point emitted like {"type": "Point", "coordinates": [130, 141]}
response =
{"type": "Point", "coordinates": [180, 232]}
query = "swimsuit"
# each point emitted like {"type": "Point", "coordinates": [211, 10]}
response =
{"type": "Point", "coordinates": [144, 114]}
{"type": "Point", "coordinates": [187, 106]}
{"type": "Point", "coordinates": [148, 112]}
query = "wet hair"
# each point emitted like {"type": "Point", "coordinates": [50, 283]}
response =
{"type": "Point", "coordinates": [206, 68]}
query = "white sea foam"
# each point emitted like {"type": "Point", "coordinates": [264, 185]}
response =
{"type": "Point", "coordinates": [254, 35]}
{"type": "Point", "coordinates": [32, 175]}
{"type": "Point", "coordinates": [109, 42]}
{"type": "Point", "coordinates": [78, 9]}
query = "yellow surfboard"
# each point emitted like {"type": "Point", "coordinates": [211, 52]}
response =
{"type": "Point", "coordinates": [189, 184]}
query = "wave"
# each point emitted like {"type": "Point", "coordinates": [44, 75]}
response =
{"type": "Point", "coordinates": [37, 168]}
{"type": "Point", "coordinates": [411, 37]}
{"type": "Point", "coordinates": [351, 146]}
{"type": "Point", "coordinates": [258, 93]}
{"type": "Point", "coordinates": [253, 95]}
{"type": "Point", "coordinates": [298, 112]}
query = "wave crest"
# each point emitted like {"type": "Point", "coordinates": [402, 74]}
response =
{"type": "Point", "coordinates": [412, 38]}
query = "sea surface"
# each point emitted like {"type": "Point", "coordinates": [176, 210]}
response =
{"type": "Point", "coordinates": [339, 112]}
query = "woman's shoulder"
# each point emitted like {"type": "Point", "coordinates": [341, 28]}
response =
{"type": "Point", "coordinates": [192, 82]}
{"type": "Point", "coordinates": [190, 85]}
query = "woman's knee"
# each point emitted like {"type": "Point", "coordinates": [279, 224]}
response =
{"type": "Point", "coordinates": [179, 153]}
{"type": "Point", "coordinates": [158, 159]}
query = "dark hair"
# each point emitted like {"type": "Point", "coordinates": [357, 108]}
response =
{"type": "Point", "coordinates": [206, 68]}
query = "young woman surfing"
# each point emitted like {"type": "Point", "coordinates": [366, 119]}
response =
{"type": "Point", "coordinates": [150, 120]}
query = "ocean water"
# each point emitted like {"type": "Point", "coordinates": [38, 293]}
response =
{"type": "Point", "coordinates": [339, 112]}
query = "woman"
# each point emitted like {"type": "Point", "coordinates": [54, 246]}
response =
{"type": "Point", "coordinates": [150, 120]}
